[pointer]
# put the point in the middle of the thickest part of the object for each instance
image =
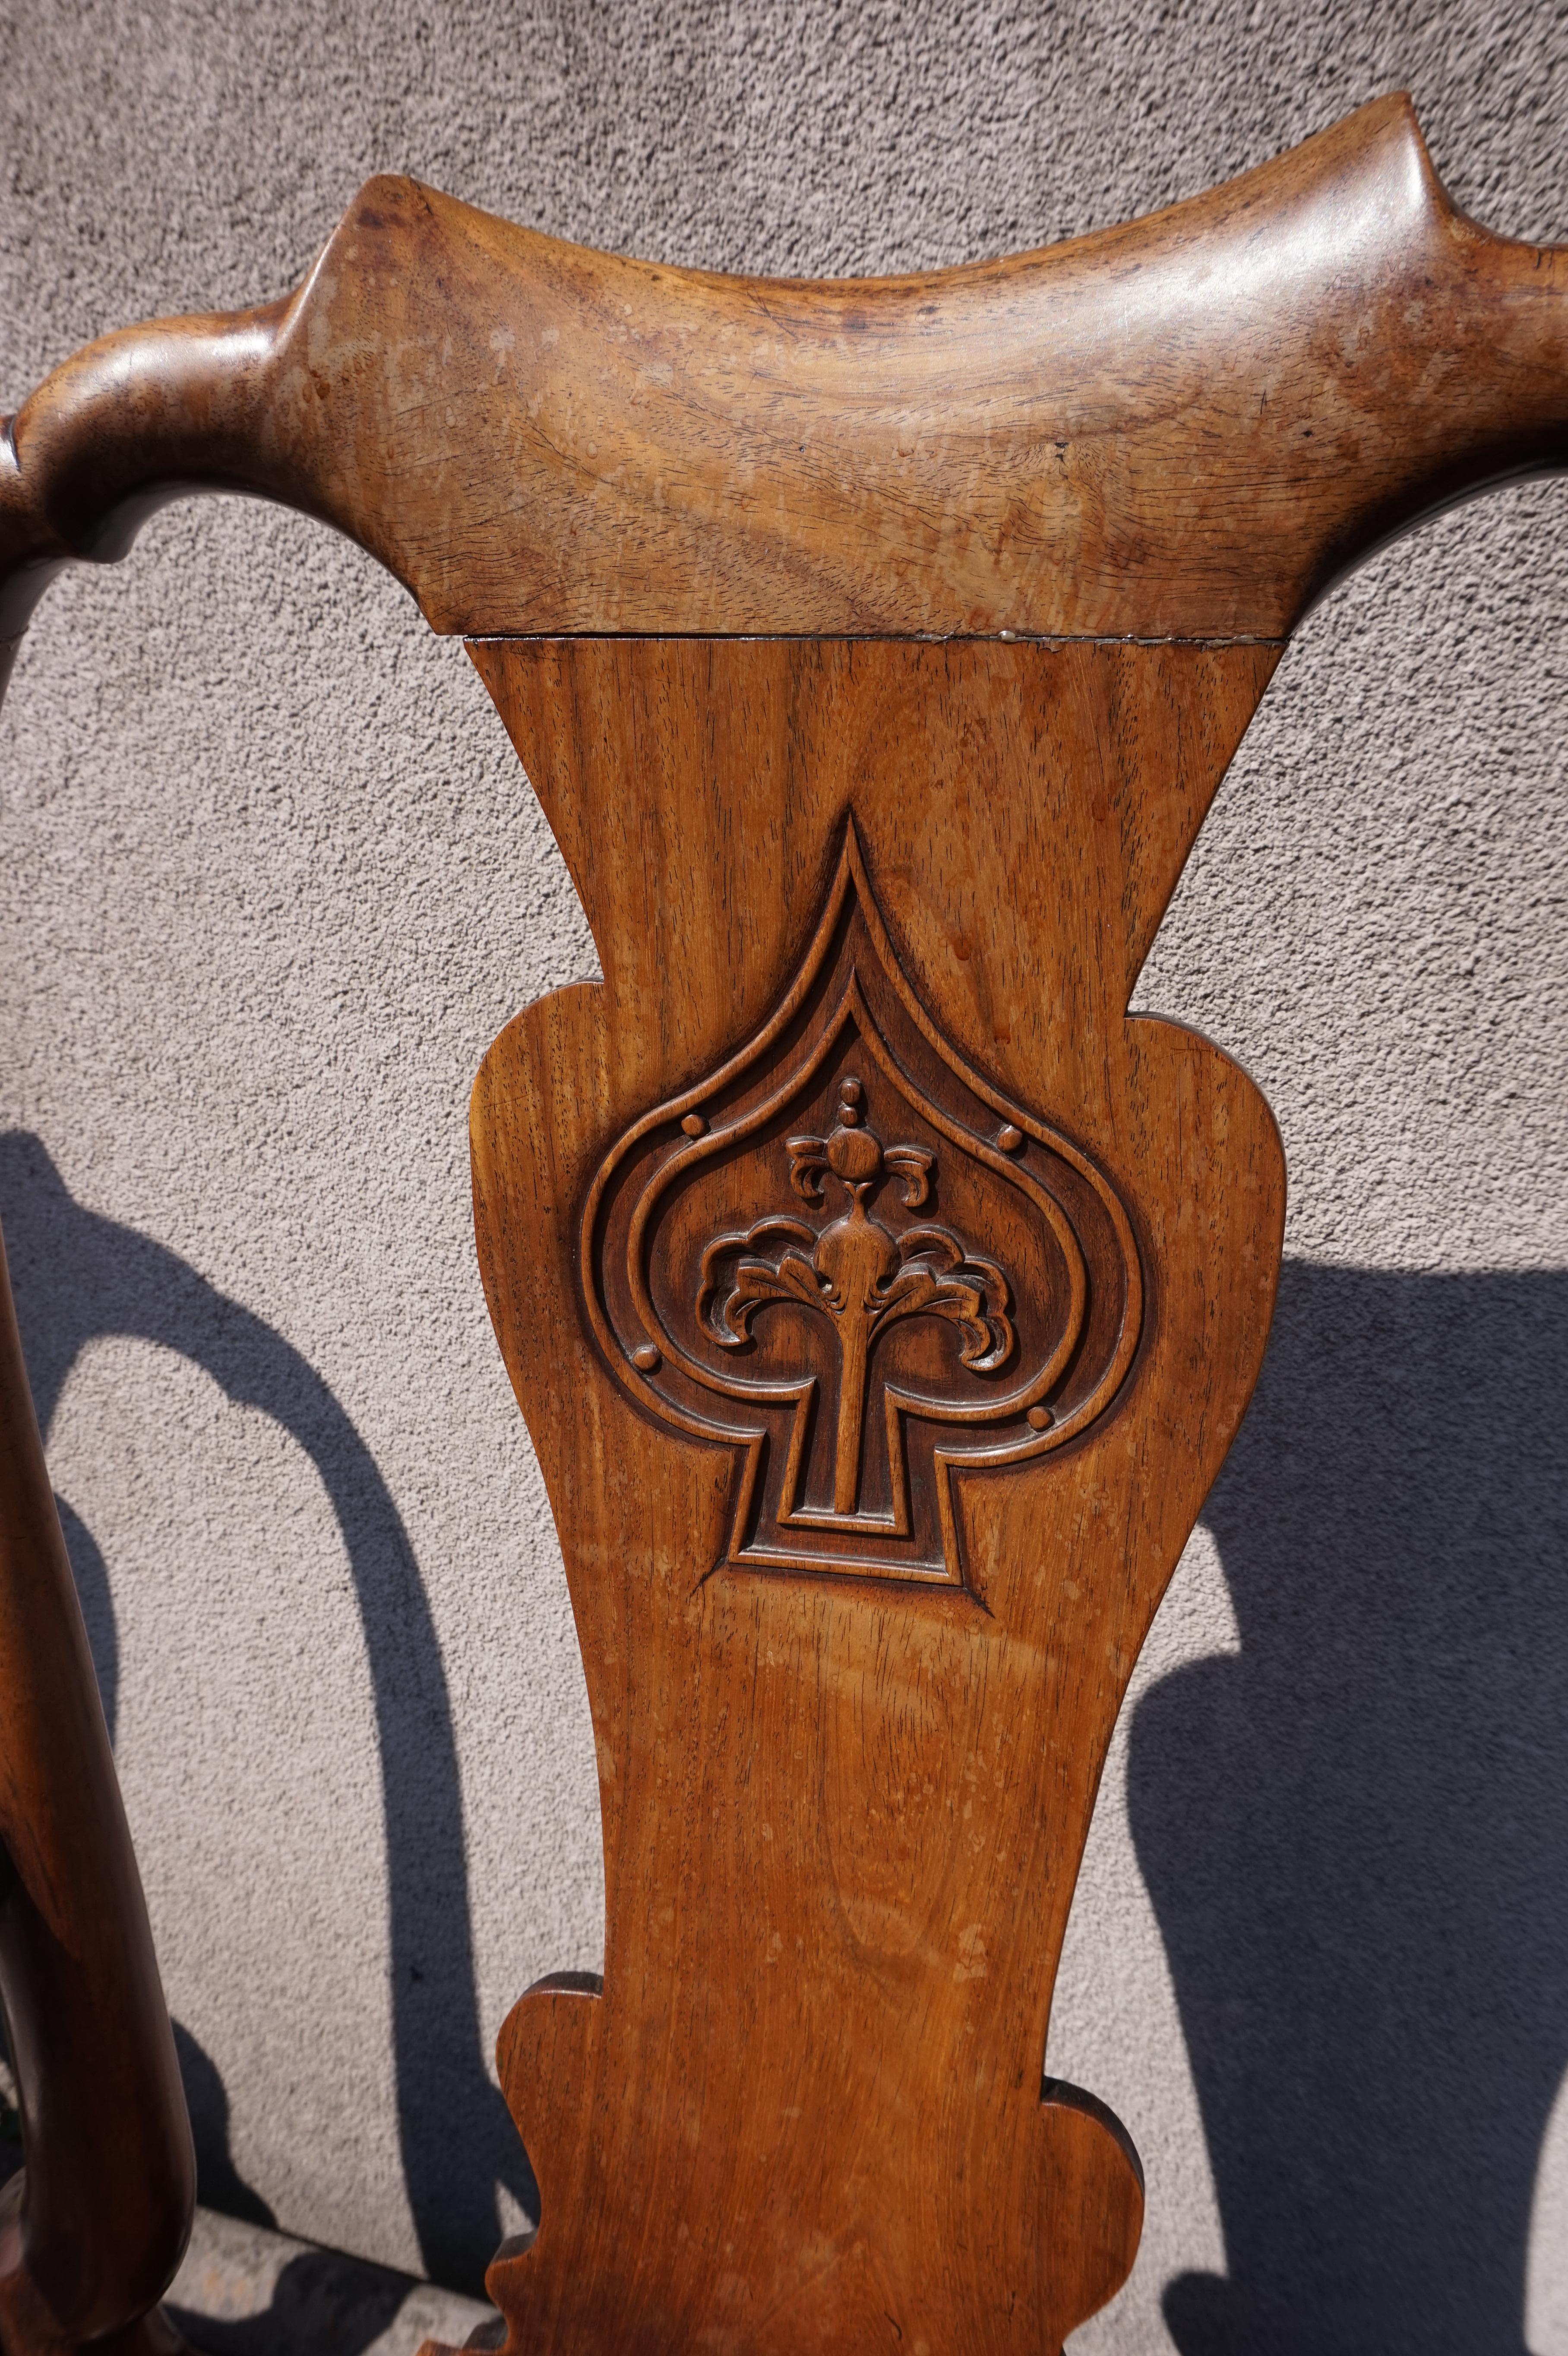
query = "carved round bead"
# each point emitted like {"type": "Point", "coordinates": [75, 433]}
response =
{"type": "Point", "coordinates": [1041, 1418]}
{"type": "Point", "coordinates": [694, 1125]}
{"type": "Point", "coordinates": [644, 1357]}
{"type": "Point", "coordinates": [1009, 1138]}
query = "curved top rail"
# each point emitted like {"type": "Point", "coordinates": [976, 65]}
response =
{"type": "Point", "coordinates": [1180, 428]}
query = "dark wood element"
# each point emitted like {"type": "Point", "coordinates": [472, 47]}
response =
{"type": "Point", "coordinates": [94, 2226]}
{"type": "Point", "coordinates": [844, 1804]}
{"type": "Point", "coordinates": [882, 1297]}
{"type": "Point", "coordinates": [1182, 428]}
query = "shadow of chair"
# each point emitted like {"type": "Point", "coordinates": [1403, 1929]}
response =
{"type": "Point", "coordinates": [77, 1277]}
{"type": "Point", "coordinates": [1355, 1831]}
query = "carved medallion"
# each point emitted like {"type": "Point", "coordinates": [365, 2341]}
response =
{"type": "Point", "coordinates": [848, 1258]}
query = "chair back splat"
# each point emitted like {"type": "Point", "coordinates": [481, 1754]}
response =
{"type": "Point", "coordinates": [882, 1297]}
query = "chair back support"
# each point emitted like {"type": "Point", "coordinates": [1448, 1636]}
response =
{"type": "Point", "coordinates": [883, 1298]}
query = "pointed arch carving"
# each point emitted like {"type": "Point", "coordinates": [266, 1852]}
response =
{"type": "Point", "coordinates": [848, 1256]}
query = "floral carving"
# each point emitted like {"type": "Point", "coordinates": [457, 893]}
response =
{"type": "Point", "coordinates": [857, 1273]}
{"type": "Point", "coordinates": [954, 1289]}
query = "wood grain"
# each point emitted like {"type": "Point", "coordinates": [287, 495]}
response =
{"type": "Point", "coordinates": [882, 1297]}
{"type": "Point", "coordinates": [1181, 428]}
{"type": "Point", "coordinates": [843, 1811]}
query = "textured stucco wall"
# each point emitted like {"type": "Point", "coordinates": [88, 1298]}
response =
{"type": "Point", "coordinates": [271, 880]}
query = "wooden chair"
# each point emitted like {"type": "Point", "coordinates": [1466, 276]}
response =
{"type": "Point", "coordinates": [882, 1297]}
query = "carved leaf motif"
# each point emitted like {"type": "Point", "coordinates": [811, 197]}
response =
{"type": "Point", "coordinates": [860, 1275]}
{"type": "Point", "coordinates": [911, 1164]}
{"type": "Point", "coordinates": [807, 1163]}
{"type": "Point", "coordinates": [754, 1283]}
{"type": "Point", "coordinates": [971, 1293]}
{"type": "Point", "coordinates": [848, 1408]}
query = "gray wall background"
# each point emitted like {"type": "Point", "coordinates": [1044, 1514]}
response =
{"type": "Point", "coordinates": [272, 879]}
